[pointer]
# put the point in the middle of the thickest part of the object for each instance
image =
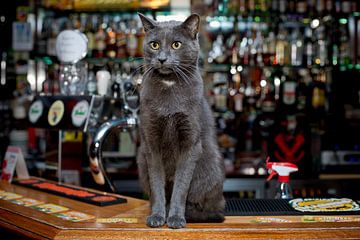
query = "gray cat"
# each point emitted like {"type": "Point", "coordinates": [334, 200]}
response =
{"type": "Point", "coordinates": [179, 162]}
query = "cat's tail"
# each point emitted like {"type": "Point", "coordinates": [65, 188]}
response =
{"type": "Point", "coordinates": [210, 212]}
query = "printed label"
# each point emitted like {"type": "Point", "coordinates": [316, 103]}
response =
{"type": "Point", "coordinates": [35, 111]}
{"type": "Point", "coordinates": [56, 113]}
{"type": "Point", "coordinates": [80, 113]}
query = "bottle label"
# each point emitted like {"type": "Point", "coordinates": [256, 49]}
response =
{"type": "Point", "coordinates": [289, 95]}
{"type": "Point", "coordinates": [80, 113]}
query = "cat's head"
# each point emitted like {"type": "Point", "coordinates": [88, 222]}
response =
{"type": "Point", "coordinates": [171, 45]}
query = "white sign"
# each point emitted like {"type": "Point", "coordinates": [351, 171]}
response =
{"type": "Point", "coordinates": [22, 38]}
{"type": "Point", "coordinates": [71, 46]}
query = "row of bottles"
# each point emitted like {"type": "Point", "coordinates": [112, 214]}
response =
{"type": "Point", "coordinates": [260, 111]}
{"type": "Point", "coordinates": [270, 90]}
{"type": "Point", "coordinates": [110, 36]}
{"type": "Point", "coordinates": [249, 42]}
{"type": "Point", "coordinates": [108, 79]}
{"type": "Point", "coordinates": [313, 7]}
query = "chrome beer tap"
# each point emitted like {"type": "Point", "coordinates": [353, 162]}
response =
{"type": "Point", "coordinates": [95, 152]}
{"type": "Point", "coordinates": [129, 121]}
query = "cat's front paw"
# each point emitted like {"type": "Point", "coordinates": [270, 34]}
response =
{"type": "Point", "coordinates": [155, 220]}
{"type": "Point", "coordinates": [176, 222]}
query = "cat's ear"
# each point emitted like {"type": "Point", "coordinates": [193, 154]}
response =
{"type": "Point", "coordinates": [191, 24]}
{"type": "Point", "coordinates": [147, 23]}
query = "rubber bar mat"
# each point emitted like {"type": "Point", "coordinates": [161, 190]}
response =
{"type": "Point", "coordinates": [74, 193]}
{"type": "Point", "coordinates": [269, 207]}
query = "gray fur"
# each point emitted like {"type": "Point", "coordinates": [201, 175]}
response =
{"type": "Point", "coordinates": [179, 163]}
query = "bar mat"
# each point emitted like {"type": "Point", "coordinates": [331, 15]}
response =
{"type": "Point", "coordinates": [270, 207]}
{"type": "Point", "coordinates": [74, 193]}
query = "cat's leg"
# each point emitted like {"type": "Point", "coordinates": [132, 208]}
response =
{"type": "Point", "coordinates": [183, 175]}
{"type": "Point", "coordinates": [143, 169]}
{"type": "Point", "coordinates": [157, 191]}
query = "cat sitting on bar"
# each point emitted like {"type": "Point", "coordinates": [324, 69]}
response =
{"type": "Point", "coordinates": [179, 163]}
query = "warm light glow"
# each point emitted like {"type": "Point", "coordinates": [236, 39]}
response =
{"type": "Point", "coordinates": [118, 4]}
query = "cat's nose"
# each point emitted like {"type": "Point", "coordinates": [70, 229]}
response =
{"type": "Point", "coordinates": [162, 59]}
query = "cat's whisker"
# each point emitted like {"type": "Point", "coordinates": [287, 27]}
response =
{"type": "Point", "coordinates": [184, 76]}
{"type": "Point", "coordinates": [192, 74]}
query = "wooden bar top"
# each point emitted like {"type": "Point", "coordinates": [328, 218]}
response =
{"type": "Point", "coordinates": [33, 224]}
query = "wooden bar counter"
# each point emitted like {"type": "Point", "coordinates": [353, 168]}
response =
{"type": "Point", "coordinates": [28, 223]}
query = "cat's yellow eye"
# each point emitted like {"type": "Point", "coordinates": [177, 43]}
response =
{"type": "Point", "coordinates": [176, 45]}
{"type": "Point", "coordinates": [154, 45]}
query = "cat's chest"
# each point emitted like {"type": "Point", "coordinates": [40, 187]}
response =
{"type": "Point", "coordinates": [170, 131]}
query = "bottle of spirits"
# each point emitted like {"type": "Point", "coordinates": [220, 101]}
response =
{"type": "Point", "coordinates": [309, 49]}
{"type": "Point", "coordinates": [91, 87]}
{"type": "Point", "coordinates": [282, 48]}
{"type": "Point", "coordinates": [121, 40]}
{"type": "Point", "coordinates": [296, 48]}
{"type": "Point", "coordinates": [131, 39]}
{"type": "Point", "coordinates": [100, 38]}
{"type": "Point", "coordinates": [111, 40]}
{"type": "Point", "coordinates": [90, 34]}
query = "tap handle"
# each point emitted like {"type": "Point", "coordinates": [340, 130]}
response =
{"type": "Point", "coordinates": [97, 168]}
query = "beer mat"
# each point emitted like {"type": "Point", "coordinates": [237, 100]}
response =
{"type": "Point", "coordinates": [9, 195]}
{"type": "Point", "coordinates": [50, 208]}
{"type": "Point", "coordinates": [83, 195]}
{"type": "Point", "coordinates": [117, 220]}
{"type": "Point", "coordinates": [270, 207]}
{"type": "Point", "coordinates": [74, 216]}
{"type": "Point", "coordinates": [324, 204]}
{"type": "Point", "coordinates": [27, 202]}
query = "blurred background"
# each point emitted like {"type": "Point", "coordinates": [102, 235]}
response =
{"type": "Point", "coordinates": [282, 78]}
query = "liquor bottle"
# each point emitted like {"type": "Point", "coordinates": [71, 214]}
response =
{"type": "Point", "coordinates": [282, 6]}
{"type": "Point", "coordinates": [116, 82]}
{"type": "Point", "coordinates": [131, 39]}
{"type": "Point", "coordinates": [91, 85]}
{"type": "Point", "coordinates": [218, 50]}
{"type": "Point", "coordinates": [51, 41]}
{"type": "Point", "coordinates": [100, 37]}
{"type": "Point", "coordinates": [309, 49]}
{"type": "Point", "coordinates": [269, 54]}
{"type": "Point", "coordinates": [318, 96]}
{"type": "Point", "coordinates": [288, 94]}
{"type": "Point", "coordinates": [320, 7]}
{"type": "Point", "coordinates": [111, 40]}
{"type": "Point", "coordinates": [296, 48]}
{"type": "Point", "coordinates": [121, 40]}
{"type": "Point", "coordinates": [282, 48]}
{"type": "Point", "coordinates": [344, 47]}
{"type": "Point", "coordinates": [346, 6]}
{"type": "Point", "coordinates": [140, 35]}
{"type": "Point", "coordinates": [301, 6]}
{"type": "Point", "coordinates": [89, 32]}
{"type": "Point", "coordinates": [329, 7]}
{"type": "Point", "coordinates": [242, 7]}
{"type": "Point", "coordinates": [301, 94]}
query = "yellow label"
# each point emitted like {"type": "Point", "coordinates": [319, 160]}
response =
{"type": "Point", "coordinates": [116, 220]}
{"type": "Point", "coordinates": [56, 113]}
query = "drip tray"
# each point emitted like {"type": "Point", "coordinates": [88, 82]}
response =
{"type": "Point", "coordinates": [270, 207]}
